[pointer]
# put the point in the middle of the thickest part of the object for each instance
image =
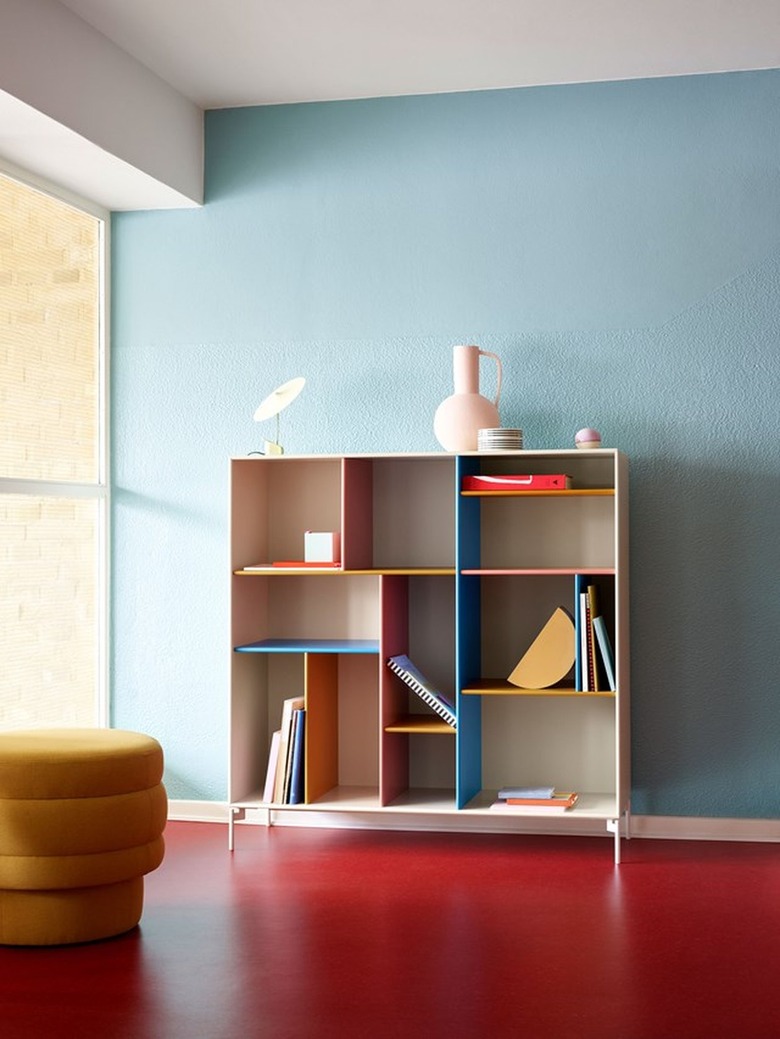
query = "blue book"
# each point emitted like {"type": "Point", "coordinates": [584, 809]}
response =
{"type": "Point", "coordinates": [297, 758]}
{"type": "Point", "coordinates": [540, 792]}
{"type": "Point", "coordinates": [580, 666]}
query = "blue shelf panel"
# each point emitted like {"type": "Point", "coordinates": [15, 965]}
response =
{"type": "Point", "coordinates": [310, 646]}
{"type": "Point", "coordinates": [468, 771]}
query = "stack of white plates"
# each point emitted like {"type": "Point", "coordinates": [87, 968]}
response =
{"type": "Point", "coordinates": [499, 440]}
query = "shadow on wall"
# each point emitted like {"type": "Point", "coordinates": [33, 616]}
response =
{"type": "Point", "coordinates": [704, 617]}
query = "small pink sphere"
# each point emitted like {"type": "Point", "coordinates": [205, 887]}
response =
{"type": "Point", "coordinates": [587, 438]}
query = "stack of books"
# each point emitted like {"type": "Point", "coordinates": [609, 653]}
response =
{"type": "Point", "coordinates": [285, 773]}
{"type": "Point", "coordinates": [595, 670]}
{"type": "Point", "coordinates": [535, 799]}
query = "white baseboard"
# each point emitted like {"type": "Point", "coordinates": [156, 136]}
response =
{"type": "Point", "coordinates": [670, 827]}
{"type": "Point", "coordinates": [657, 827]}
{"type": "Point", "coordinates": [198, 812]}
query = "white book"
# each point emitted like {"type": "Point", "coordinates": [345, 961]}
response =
{"type": "Point", "coordinates": [270, 776]}
{"type": "Point", "coordinates": [584, 669]}
{"type": "Point", "coordinates": [605, 648]}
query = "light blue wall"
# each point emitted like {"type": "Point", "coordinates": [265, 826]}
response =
{"type": "Point", "coordinates": [618, 245]}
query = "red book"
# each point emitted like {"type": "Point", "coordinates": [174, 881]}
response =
{"type": "Point", "coordinates": [520, 482]}
{"type": "Point", "coordinates": [305, 564]}
{"type": "Point", "coordinates": [293, 564]}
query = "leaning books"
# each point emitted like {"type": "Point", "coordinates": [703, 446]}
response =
{"type": "Point", "coordinates": [282, 785]}
{"type": "Point", "coordinates": [416, 680]}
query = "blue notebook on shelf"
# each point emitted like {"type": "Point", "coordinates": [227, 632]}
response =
{"type": "Point", "coordinates": [416, 680]}
{"type": "Point", "coordinates": [297, 758]}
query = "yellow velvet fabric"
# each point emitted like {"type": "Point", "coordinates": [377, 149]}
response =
{"type": "Point", "coordinates": [38, 872]}
{"type": "Point", "coordinates": [41, 763]}
{"type": "Point", "coordinates": [82, 825]}
{"type": "Point", "coordinates": [82, 815]}
{"type": "Point", "coordinates": [64, 916]}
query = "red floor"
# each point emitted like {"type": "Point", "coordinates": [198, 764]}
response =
{"type": "Point", "coordinates": [307, 934]}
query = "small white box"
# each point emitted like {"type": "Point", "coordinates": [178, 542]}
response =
{"type": "Point", "coordinates": [321, 546]}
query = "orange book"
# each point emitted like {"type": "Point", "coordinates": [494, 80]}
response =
{"type": "Point", "coordinates": [558, 800]}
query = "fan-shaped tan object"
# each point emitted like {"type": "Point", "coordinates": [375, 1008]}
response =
{"type": "Point", "coordinates": [550, 656]}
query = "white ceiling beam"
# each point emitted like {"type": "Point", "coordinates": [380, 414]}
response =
{"type": "Point", "coordinates": [77, 109]}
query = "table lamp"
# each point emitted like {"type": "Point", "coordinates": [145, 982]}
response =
{"type": "Point", "coordinates": [275, 403]}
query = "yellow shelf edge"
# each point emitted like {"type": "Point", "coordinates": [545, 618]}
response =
{"type": "Point", "coordinates": [421, 724]}
{"type": "Point", "coordinates": [488, 687]}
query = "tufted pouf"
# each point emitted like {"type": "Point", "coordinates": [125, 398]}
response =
{"type": "Point", "coordinates": [82, 814]}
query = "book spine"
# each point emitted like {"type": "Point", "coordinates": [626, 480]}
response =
{"type": "Point", "coordinates": [579, 586]}
{"type": "Point", "coordinates": [605, 649]}
{"type": "Point", "coordinates": [593, 612]}
{"type": "Point", "coordinates": [583, 644]}
{"type": "Point", "coordinates": [273, 758]}
{"type": "Point", "coordinates": [297, 757]}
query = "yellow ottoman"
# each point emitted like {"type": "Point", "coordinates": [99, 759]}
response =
{"type": "Point", "coordinates": [82, 814]}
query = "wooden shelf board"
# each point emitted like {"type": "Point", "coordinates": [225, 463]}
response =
{"type": "Point", "coordinates": [341, 798]}
{"type": "Point", "coordinates": [285, 571]}
{"type": "Point", "coordinates": [423, 799]}
{"type": "Point", "coordinates": [547, 571]}
{"type": "Point", "coordinates": [421, 723]}
{"type": "Point", "coordinates": [412, 571]}
{"type": "Point", "coordinates": [500, 687]}
{"type": "Point", "coordinates": [362, 799]}
{"type": "Point", "coordinates": [310, 646]}
{"type": "Point", "coordinates": [428, 801]}
{"type": "Point", "coordinates": [576, 492]}
{"type": "Point", "coordinates": [590, 805]}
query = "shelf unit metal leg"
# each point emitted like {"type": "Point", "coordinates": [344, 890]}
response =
{"type": "Point", "coordinates": [234, 814]}
{"type": "Point", "coordinates": [613, 825]}
{"type": "Point", "coordinates": [620, 827]}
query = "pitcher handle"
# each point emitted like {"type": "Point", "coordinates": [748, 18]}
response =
{"type": "Point", "coordinates": [497, 359]}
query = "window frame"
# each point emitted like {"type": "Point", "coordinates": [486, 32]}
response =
{"type": "Point", "coordinates": [100, 491]}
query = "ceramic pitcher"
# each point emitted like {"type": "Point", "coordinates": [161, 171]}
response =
{"type": "Point", "coordinates": [458, 418]}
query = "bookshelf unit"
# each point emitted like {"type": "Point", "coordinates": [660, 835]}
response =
{"type": "Point", "coordinates": [461, 582]}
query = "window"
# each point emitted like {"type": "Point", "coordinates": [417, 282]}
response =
{"type": "Point", "coordinates": [53, 491]}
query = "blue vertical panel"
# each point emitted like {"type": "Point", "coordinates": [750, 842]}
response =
{"type": "Point", "coordinates": [468, 781]}
{"type": "Point", "coordinates": [580, 585]}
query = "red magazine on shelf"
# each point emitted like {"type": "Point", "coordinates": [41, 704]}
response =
{"type": "Point", "coordinates": [519, 482]}
{"type": "Point", "coordinates": [305, 564]}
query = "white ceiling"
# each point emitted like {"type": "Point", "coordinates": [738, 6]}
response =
{"type": "Point", "coordinates": [225, 53]}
